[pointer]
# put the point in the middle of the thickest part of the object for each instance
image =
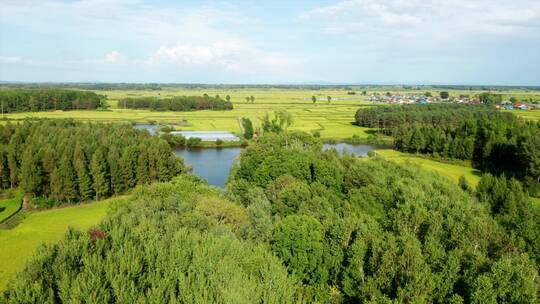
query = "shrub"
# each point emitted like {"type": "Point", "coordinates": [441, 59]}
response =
{"type": "Point", "coordinates": [193, 141]}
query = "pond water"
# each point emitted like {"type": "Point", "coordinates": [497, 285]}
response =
{"type": "Point", "coordinates": [212, 164]}
{"type": "Point", "coordinates": [152, 129]}
{"type": "Point", "coordinates": [209, 135]}
{"type": "Point", "coordinates": [359, 150]}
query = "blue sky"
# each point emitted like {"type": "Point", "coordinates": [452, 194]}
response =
{"type": "Point", "coordinates": [351, 41]}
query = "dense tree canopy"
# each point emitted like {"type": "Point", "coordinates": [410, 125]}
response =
{"type": "Point", "coordinates": [380, 232]}
{"type": "Point", "coordinates": [70, 161]}
{"type": "Point", "coordinates": [177, 103]}
{"type": "Point", "coordinates": [34, 100]}
{"type": "Point", "coordinates": [495, 142]}
{"type": "Point", "coordinates": [390, 118]}
{"type": "Point", "coordinates": [173, 243]}
{"type": "Point", "coordinates": [299, 224]}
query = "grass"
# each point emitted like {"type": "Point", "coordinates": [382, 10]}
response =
{"type": "Point", "coordinates": [529, 115]}
{"type": "Point", "coordinates": [332, 120]}
{"type": "Point", "coordinates": [19, 244]}
{"type": "Point", "coordinates": [452, 171]}
{"type": "Point", "coordinates": [10, 206]}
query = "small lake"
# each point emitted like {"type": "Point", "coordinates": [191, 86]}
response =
{"type": "Point", "coordinates": [152, 129]}
{"type": "Point", "coordinates": [212, 164]}
{"type": "Point", "coordinates": [359, 150]}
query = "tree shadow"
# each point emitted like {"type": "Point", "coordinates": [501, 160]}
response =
{"type": "Point", "coordinates": [2, 209]}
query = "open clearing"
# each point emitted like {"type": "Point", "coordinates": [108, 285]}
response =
{"type": "Point", "coordinates": [452, 171]}
{"type": "Point", "coordinates": [529, 115]}
{"type": "Point", "coordinates": [17, 245]}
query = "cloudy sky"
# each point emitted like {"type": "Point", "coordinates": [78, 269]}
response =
{"type": "Point", "coordinates": [278, 41]}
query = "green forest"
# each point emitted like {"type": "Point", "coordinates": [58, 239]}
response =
{"type": "Point", "coordinates": [48, 99]}
{"type": "Point", "coordinates": [64, 161]}
{"type": "Point", "coordinates": [495, 142]}
{"type": "Point", "coordinates": [177, 103]}
{"type": "Point", "coordinates": [296, 224]}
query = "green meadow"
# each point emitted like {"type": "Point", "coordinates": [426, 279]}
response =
{"type": "Point", "coordinates": [533, 115]}
{"type": "Point", "coordinates": [452, 171]}
{"type": "Point", "coordinates": [17, 245]}
{"type": "Point", "coordinates": [9, 206]}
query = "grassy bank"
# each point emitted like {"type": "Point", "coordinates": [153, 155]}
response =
{"type": "Point", "coordinates": [450, 170]}
{"type": "Point", "coordinates": [8, 207]}
{"type": "Point", "coordinates": [17, 245]}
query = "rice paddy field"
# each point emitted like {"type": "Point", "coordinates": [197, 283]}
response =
{"type": "Point", "coordinates": [18, 244]}
{"type": "Point", "coordinates": [332, 120]}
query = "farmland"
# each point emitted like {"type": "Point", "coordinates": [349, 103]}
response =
{"type": "Point", "coordinates": [332, 120]}
{"type": "Point", "coordinates": [20, 242]}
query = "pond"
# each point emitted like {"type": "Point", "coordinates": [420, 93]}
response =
{"type": "Point", "coordinates": [209, 135]}
{"type": "Point", "coordinates": [358, 150]}
{"type": "Point", "coordinates": [152, 129]}
{"type": "Point", "coordinates": [214, 164]}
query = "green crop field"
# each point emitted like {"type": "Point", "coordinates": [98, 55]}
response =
{"type": "Point", "coordinates": [17, 245]}
{"type": "Point", "coordinates": [450, 170]}
{"type": "Point", "coordinates": [332, 120]}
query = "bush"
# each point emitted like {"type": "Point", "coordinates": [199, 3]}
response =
{"type": "Point", "coordinates": [193, 141]}
{"type": "Point", "coordinates": [43, 202]}
{"type": "Point", "coordinates": [219, 142]}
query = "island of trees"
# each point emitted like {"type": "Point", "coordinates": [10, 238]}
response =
{"type": "Point", "coordinates": [177, 103]}
{"type": "Point", "coordinates": [64, 161]}
{"type": "Point", "coordinates": [48, 99]}
{"type": "Point", "coordinates": [297, 224]}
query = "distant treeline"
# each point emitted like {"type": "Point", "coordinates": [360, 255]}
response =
{"type": "Point", "coordinates": [494, 141]}
{"type": "Point", "coordinates": [34, 100]}
{"type": "Point", "coordinates": [85, 86]}
{"type": "Point", "coordinates": [389, 119]}
{"type": "Point", "coordinates": [70, 161]}
{"type": "Point", "coordinates": [177, 103]}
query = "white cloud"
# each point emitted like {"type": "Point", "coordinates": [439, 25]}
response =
{"type": "Point", "coordinates": [450, 18]}
{"type": "Point", "coordinates": [369, 9]}
{"type": "Point", "coordinates": [238, 56]}
{"type": "Point", "coordinates": [124, 20]}
{"type": "Point", "coordinates": [219, 52]}
{"type": "Point", "coordinates": [114, 57]}
{"type": "Point", "coordinates": [11, 60]}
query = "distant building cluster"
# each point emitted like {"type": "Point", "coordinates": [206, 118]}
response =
{"type": "Point", "coordinates": [507, 105]}
{"type": "Point", "coordinates": [403, 99]}
{"type": "Point", "coordinates": [423, 99]}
